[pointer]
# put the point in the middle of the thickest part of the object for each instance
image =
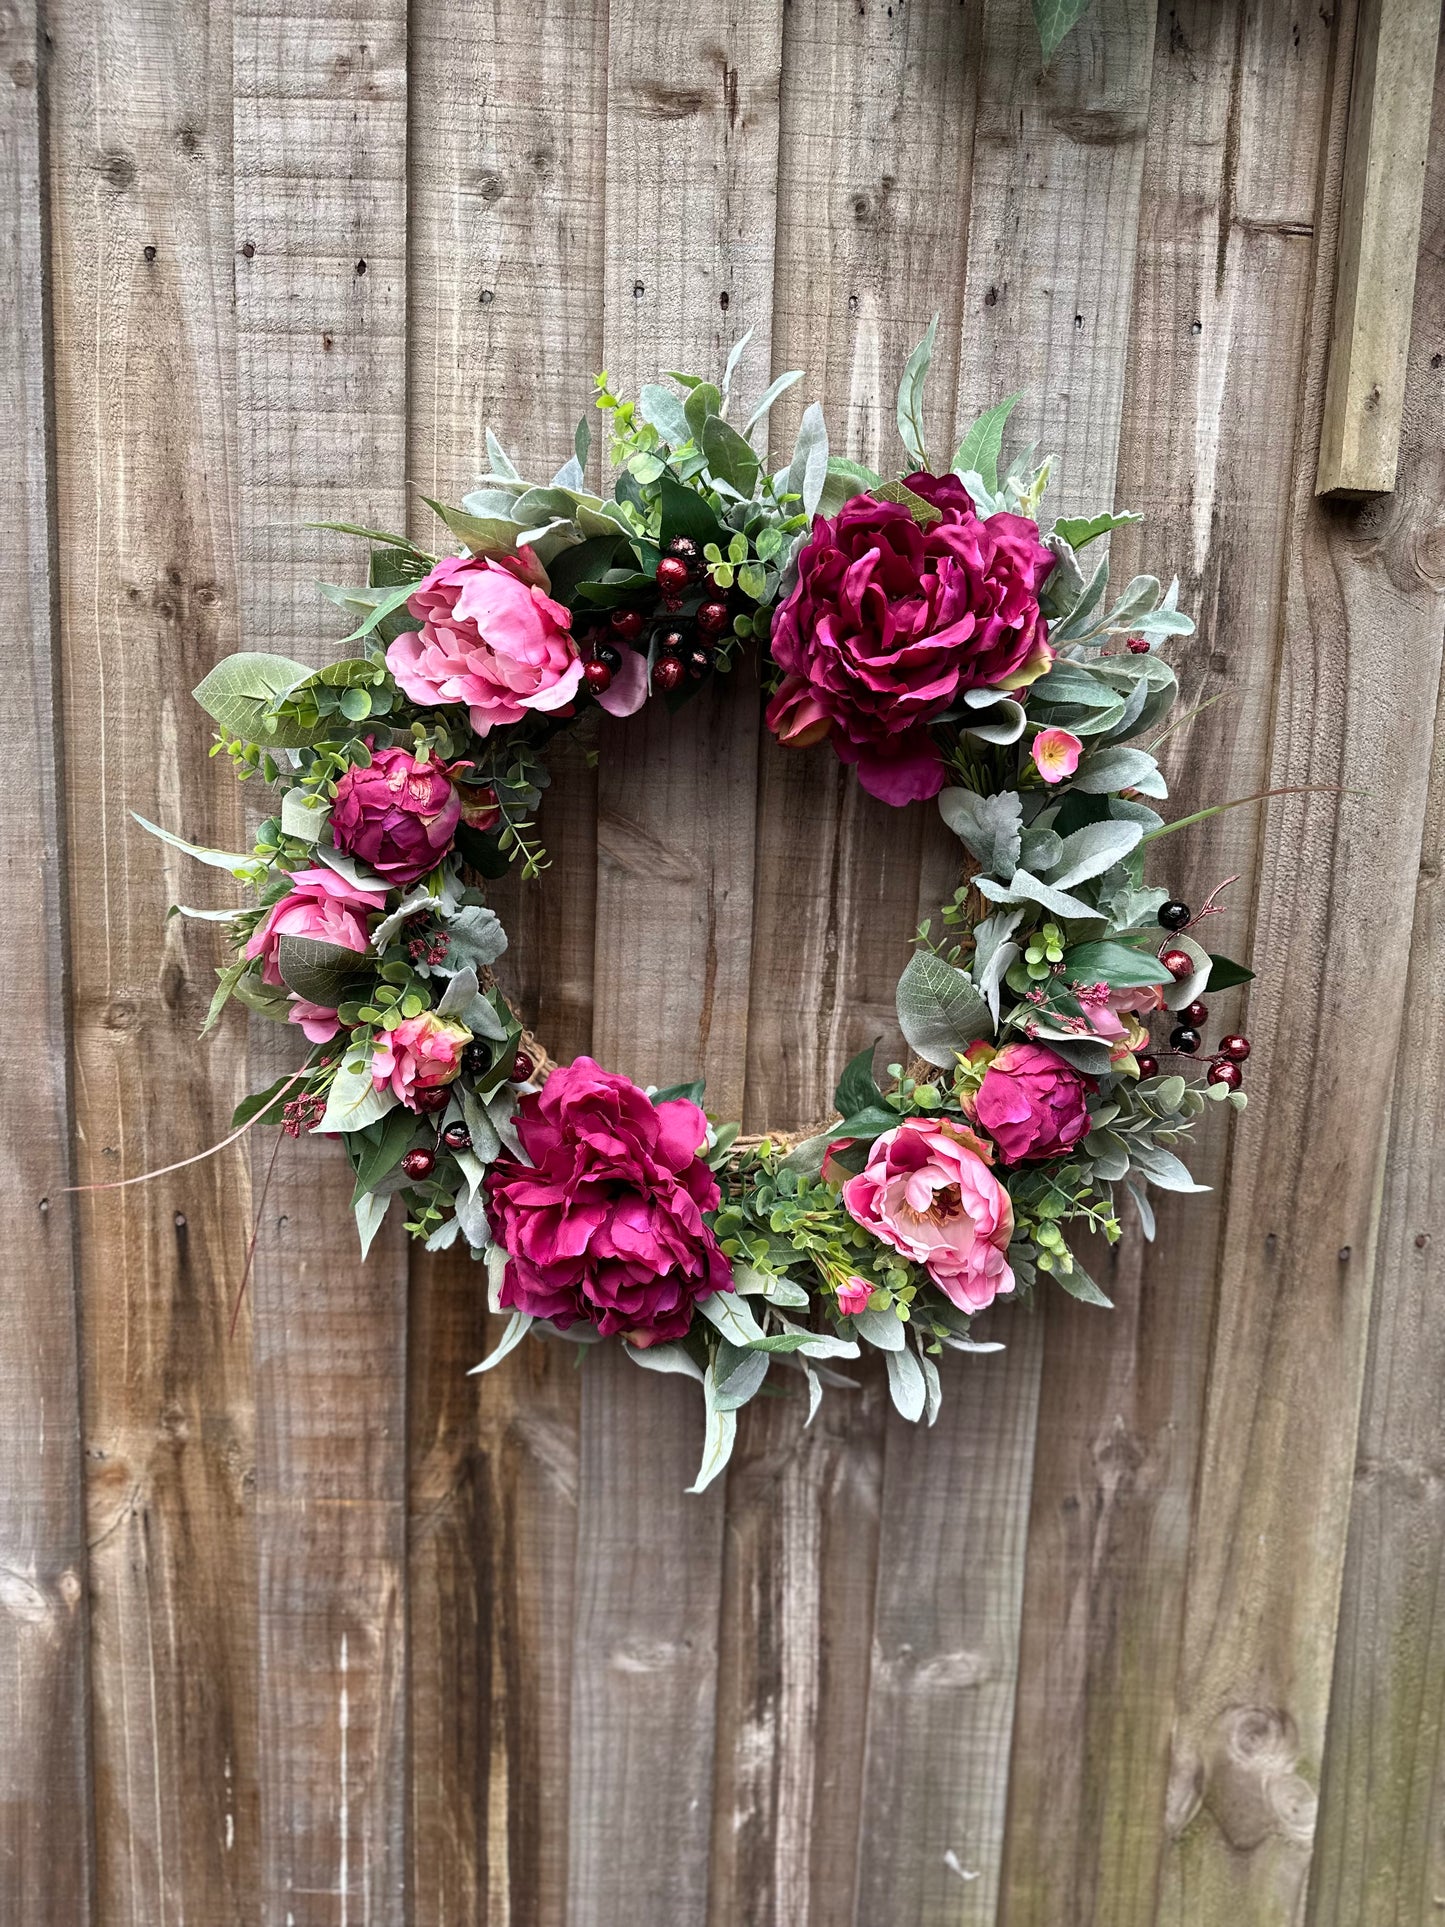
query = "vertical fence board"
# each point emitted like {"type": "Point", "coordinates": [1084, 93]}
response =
{"type": "Point", "coordinates": [1054, 200]}
{"type": "Point", "coordinates": [320, 200]}
{"type": "Point", "coordinates": [140, 153]}
{"type": "Point", "coordinates": [1222, 288]}
{"type": "Point", "coordinates": [505, 232]}
{"type": "Point", "coordinates": [876, 114]}
{"type": "Point", "coordinates": [1299, 1238]}
{"type": "Point", "coordinates": [1380, 1861]}
{"type": "Point", "coordinates": [691, 203]}
{"type": "Point", "coordinates": [47, 1868]}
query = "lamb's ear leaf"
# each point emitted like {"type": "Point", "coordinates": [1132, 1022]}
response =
{"type": "Point", "coordinates": [910, 397]}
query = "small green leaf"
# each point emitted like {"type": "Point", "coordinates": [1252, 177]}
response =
{"type": "Point", "coordinates": [263, 1105]}
{"type": "Point", "coordinates": [978, 452]}
{"type": "Point", "coordinates": [844, 480]}
{"type": "Point", "coordinates": [939, 1011]}
{"type": "Point", "coordinates": [1077, 529]}
{"type": "Point", "coordinates": [1224, 973]}
{"type": "Point", "coordinates": [856, 1089]}
{"type": "Point", "coordinates": [729, 457]}
{"type": "Point", "coordinates": [1055, 19]}
{"type": "Point", "coordinates": [239, 693]}
{"type": "Point", "coordinates": [910, 397]}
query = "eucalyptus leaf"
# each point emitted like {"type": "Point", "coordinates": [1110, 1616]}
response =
{"type": "Point", "coordinates": [304, 815]}
{"type": "Point", "coordinates": [239, 692]}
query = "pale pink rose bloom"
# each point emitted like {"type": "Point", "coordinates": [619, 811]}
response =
{"type": "Point", "coordinates": [316, 1021]}
{"type": "Point", "coordinates": [491, 637]}
{"type": "Point", "coordinates": [1056, 754]}
{"type": "Point", "coordinates": [419, 1055]}
{"type": "Point", "coordinates": [854, 1296]}
{"type": "Point", "coordinates": [323, 906]}
{"type": "Point", "coordinates": [928, 1193]}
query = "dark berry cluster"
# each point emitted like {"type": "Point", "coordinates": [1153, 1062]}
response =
{"type": "Point", "coordinates": [684, 649]}
{"type": "Point", "coordinates": [1226, 1066]}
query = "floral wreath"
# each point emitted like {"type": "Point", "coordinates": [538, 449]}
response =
{"type": "Point", "coordinates": [946, 645]}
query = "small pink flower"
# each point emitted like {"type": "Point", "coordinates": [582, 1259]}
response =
{"type": "Point", "coordinates": [323, 906]}
{"type": "Point", "coordinates": [1056, 754]}
{"type": "Point", "coordinates": [854, 1296]}
{"type": "Point", "coordinates": [928, 1193]}
{"type": "Point", "coordinates": [491, 637]}
{"type": "Point", "coordinates": [317, 1022]}
{"type": "Point", "coordinates": [421, 1054]}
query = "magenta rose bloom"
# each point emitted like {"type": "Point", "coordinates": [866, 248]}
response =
{"type": "Point", "coordinates": [322, 906]}
{"type": "Point", "coordinates": [888, 623]}
{"type": "Point", "coordinates": [421, 1054]}
{"type": "Point", "coordinates": [605, 1224]}
{"type": "Point", "coordinates": [396, 814]}
{"type": "Point", "coordinates": [1032, 1104]}
{"type": "Point", "coordinates": [927, 1191]}
{"type": "Point", "coordinates": [491, 637]}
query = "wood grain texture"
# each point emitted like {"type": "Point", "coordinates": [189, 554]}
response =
{"type": "Point", "coordinates": [1299, 1237]}
{"type": "Point", "coordinates": [1380, 1858]}
{"type": "Point", "coordinates": [1222, 286]}
{"type": "Point", "coordinates": [320, 198]}
{"type": "Point", "coordinates": [47, 1849]}
{"type": "Point", "coordinates": [692, 146]}
{"type": "Point", "coordinates": [1389, 133]}
{"type": "Point", "coordinates": [505, 293]}
{"type": "Point", "coordinates": [1054, 208]}
{"type": "Point", "coordinates": [142, 328]}
{"type": "Point", "coordinates": [876, 115]}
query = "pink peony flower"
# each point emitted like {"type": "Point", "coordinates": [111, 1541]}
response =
{"type": "Point", "coordinates": [1032, 1103]}
{"type": "Point", "coordinates": [1056, 754]}
{"type": "Point", "coordinates": [606, 1222]}
{"type": "Point", "coordinates": [888, 623]}
{"type": "Point", "coordinates": [854, 1296]}
{"type": "Point", "coordinates": [396, 814]}
{"type": "Point", "coordinates": [322, 906]}
{"type": "Point", "coordinates": [316, 1021]}
{"type": "Point", "coordinates": [421, 1054]}
{"type": "Point", "coordinates": [928, 1193]}
{"type": "Point", "coordinates": [491, 637]}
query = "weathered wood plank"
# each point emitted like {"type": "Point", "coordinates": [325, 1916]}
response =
{"type": "Point", "coordinates": [1390, 101]}
{"type": "Point", "coordinates": [506, 228]}
{"type": "Point", "coordinates": [1273, 1497]}
{"type": "Point", "coordinates": [1053, 218]}
{"type": "Point", "coordinates": [320, 198]}
{"type": "Point", "coordinates": [140, 125]}
{"type": "Point", "coordinates": [1221, 294]}
{"type": "Point", "coordinates": [47, 1857]}
{"type": "Point", "coordinates": [691, 194]}
{"type": "Point", "coordinates": [876, 115]}
{"type": "Point", "coordinates": [1380, 1858]}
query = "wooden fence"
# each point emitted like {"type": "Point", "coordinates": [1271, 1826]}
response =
{"type": "Point", "coordinates": [301, 1627]}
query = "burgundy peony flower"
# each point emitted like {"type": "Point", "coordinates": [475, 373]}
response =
{"type": "Point", "coordinates": [888, 623]}
{"type": "Point", "coordinates": [1031, 1103]}
{"type": "Point", "coordinates": [396, 814]}
{"type": "Point", "coordinates": [606, 1222]}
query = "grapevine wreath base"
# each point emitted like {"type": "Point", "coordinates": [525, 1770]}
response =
{"type": "Point", "coordinates": [946, 641]}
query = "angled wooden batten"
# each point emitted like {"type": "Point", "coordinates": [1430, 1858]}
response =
{"type": "Point", "coordinates": [1390, 104]}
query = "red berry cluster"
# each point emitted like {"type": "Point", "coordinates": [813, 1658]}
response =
{"type": "Point", "coordinates": [684, 650]}
{"type": "Point", "coordinates": [1226, 1066]}
{"type": "Point", "coordinates": [302, 1114]}
{"type": "Point", "coordinates": [421, 1160]}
